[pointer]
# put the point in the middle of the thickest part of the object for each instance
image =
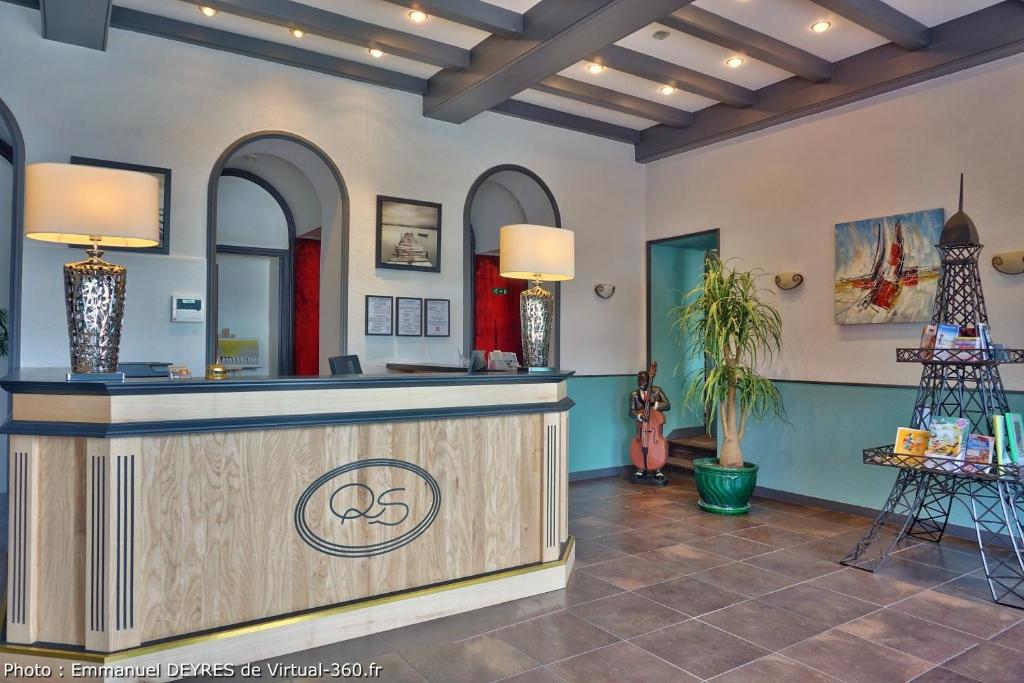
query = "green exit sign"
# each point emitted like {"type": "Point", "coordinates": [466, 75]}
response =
{"type": "Point", "coordinates": [500, 290]}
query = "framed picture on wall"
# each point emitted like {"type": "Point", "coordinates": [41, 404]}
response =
{"type": "Point", "coordinates": [437, 318]}
{"type": "Point", "coordinates": [163, 175]}
{"type": "Point", "coordinates": [409, 317]}
{"type": "Point", "coordinates": [380, 316]}
{"type": "Point", "coordinates": [408, 234]}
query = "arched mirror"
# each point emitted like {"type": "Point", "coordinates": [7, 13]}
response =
{"type": "Point", "coordinates": [503, 195]}
{"type": "Point", "coordinates": [278, 252]}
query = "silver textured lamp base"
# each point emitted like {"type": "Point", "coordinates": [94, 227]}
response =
{"type": "Point", "coordinates": [536, 314]}
{"type": "Point", "coordinates": [94, 293]}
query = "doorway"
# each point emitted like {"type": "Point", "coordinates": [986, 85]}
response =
{"type": "Point", "coordinates": [675, 265]}
{"type": "Point", "coordinates": [503, 195]}
{"type": "Point", "coordinates": [278, 255]}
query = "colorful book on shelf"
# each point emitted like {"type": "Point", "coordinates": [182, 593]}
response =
{"type": "Point", "coordinates": [928, 336]}
{"type": "Point", "coordinates": [967, 343]}
{"type": "Point", "coordinates": [978, 453]}
{"type": "Point", "coordinates": [999, 436]}
{"type": "Point", "coordinates": [911, 441]}
{"type": "Point", "coordinates": [945, 440]}
{"type": "Point", "coordinates": [1015, 436]}
{"type": "Point", "coordinates": [945, 337]}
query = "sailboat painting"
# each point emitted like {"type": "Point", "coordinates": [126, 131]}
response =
{"type": "Point", "coordinates": [887, 269]}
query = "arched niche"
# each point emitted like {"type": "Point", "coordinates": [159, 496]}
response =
{"type": "Point", "coordinates": [285, 148]}
{"type": "Point", "coordinates": [503, 195]}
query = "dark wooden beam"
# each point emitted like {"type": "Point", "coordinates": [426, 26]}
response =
{"type": "Point", "coordinates": [881, 18]}
{"type": "Point", "coordinates": [476, 13]}
{"type": "Point", "coordinates": [143, 22]}
{"type": "Point", "coordinates": [713, 28]}
{"type": "Point", "coordinates": [560, 119]}
{"type": "Point", "coordinates": [614, 100]}
{"type": "Point", "coordinates": [78, 22]}
{"type": "Point", "coordinates": [556, 34]}
{"type": "Point", "coordinates": [660, 71]}
{"type": "Point", "coordinates": [983, 36]}
{"type": "Point", "coordinates": [315, 21]}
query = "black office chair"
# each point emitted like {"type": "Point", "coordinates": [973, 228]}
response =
{"type": "Point", "coordinates": [345, 365]}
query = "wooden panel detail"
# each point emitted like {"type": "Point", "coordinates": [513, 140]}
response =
{"type": "Point", "coordinates": [241, 404]}
{"type": "Point", "coordinates": [46, 542]}
{"type": "Point", "coordinates": [23, 541]}
{"type": "Point", "coordinates": [555, 481]}
{"type": "Point", "coordinates": [219, 538]}
{"type": "Point", "coordinates": [111, 576]}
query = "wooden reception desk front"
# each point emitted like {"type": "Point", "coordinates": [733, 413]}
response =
{"type": "Point", "coordinates": [160, 521]}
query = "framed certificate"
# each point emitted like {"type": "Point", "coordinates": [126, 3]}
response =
{"type": "Point", "coordinates": [437, 317]}
{"type": "Point", "coordinates": [380, 317]}
{"type": "Point", "coordinates": [409, 317]}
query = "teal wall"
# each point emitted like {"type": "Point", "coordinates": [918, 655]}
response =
{"type": "Point", "coordinates": [676, 267]}
{"type": "Point", "coordinates": [600, 426]}
{"type": "Point", "coordinates": [816, 453]}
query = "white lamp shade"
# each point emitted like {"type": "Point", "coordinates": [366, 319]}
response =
{"type": "Point", "coordinates": [81, 204]}
{"type": "Point", "coordinates": [537, 252]}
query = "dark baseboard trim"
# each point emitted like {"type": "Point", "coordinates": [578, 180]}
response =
{"type": "Point", "coordinates": [600, 473]}
{"type": "Point", "coordinates": [952, 529]}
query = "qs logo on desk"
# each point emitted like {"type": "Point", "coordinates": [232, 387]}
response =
{"type": "Point", "coordinates": [392, 503]}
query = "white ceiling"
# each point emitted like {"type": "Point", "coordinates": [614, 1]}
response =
{"type": "Point", "coordinates": [786, 20]}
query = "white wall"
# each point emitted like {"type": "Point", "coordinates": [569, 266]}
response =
{"type": "Point", "coordinates": [249, 216]}
{"type": "Point", "coordinates": [776, 197]}
{"type": "Point", "coordinates": [163, 103]}
{"type": "Point", "coordinates": [288, 180]}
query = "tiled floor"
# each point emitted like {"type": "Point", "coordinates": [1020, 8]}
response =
{"type": "Point", "coordinates": [665, 592]}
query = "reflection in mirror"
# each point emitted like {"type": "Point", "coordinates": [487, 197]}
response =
{"type": "Point", "coordinates": [505, 195]}
{"type": "Point", "coordinates": [278, 222]}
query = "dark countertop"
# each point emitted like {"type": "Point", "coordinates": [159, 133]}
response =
{"type": "Point", "coordinates": [53, 381]}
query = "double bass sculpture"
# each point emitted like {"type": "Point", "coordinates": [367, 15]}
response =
{"type": "Point", "coordinates": [648, 450]}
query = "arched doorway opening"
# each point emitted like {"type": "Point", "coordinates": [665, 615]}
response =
{"type": "Point", "coordinates": [12, 182]}
{"type": "Point", "coordinates": [277, 257]}
{"type": "Point", "coordinates": [503, 195]}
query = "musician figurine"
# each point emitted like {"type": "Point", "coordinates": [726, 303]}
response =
{"type": "Point", "coordinates": [648, 450]}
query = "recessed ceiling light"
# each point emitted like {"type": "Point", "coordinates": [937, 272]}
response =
{"type": "Point", "coordinates": [297, 32]}
{"type": "Point", "coordinates": [734, 62]}
{"type": "Point", "coordinates": [375, 53]}
{"type": "Point", "coordinates": [207, 11]}
{"type": "Point", "coordinates": [595, 68]}
{"type": "Point", "coordinates": [666, 90]}
{"type": "Point", "coordinates": [417, 17]}
{"type": "Point", "coordinates": [660, 35]}
{"type": "Point", "coordinates": [821, 26]}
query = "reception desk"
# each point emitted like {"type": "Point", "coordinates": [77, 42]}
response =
{"type": "Point", "coordinates": [157, 521]}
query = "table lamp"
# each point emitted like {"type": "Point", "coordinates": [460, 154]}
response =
{"type": "Point", "coordinates": [98, 207]}
{"type": "Point", "coordinates": [537, 253]}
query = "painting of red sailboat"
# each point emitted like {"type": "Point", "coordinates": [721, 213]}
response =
{"type": "Point", "coordinates": [887, 268]}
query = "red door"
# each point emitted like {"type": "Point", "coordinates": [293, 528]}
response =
{"type": "Point", "coordinates": [496, 314]}
{"type": "Point", "coordinates": [307, 307]}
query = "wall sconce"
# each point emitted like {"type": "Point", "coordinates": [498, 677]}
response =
{"type": "Point", "coordinates": [788, 280]}
{"type": "Point", "coordinates": [1009, 262]}
{"type": "Point", "coordinates": [604, 290]}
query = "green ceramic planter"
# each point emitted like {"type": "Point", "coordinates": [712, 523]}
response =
{"type": "Point", "coordinates": [724, 490]}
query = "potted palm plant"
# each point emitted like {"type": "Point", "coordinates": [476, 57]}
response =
{"type": "Point", "coordinates": [725, 321]}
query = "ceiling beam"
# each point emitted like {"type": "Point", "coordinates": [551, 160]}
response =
{"type": "Point", "coordinates": [315, 21]}
{"type": "Point", "coordinates": [978, 38]}
{"type": "Point", "coordinates": [881, 18]}
{"type": "Point", "coordinates": [205, 36]}
{"type": "Point", "coordinates": [78, 22]}
{"type": "Point", "coordinates": [660, 71]}
{"type": "Point", "coordinates": [560, 119]}
{"type": "Point", "coordinates": [556, 34]}
{"type": "Point", "coordinates": [723, 32]}
{"type": "Point", "coordinates": [476, 13]}
{"type": "Point", "coordinates": [614, 100]}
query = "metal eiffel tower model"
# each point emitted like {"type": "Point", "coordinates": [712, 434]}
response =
{"type": "Point", "coordinates": [960, 383]}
